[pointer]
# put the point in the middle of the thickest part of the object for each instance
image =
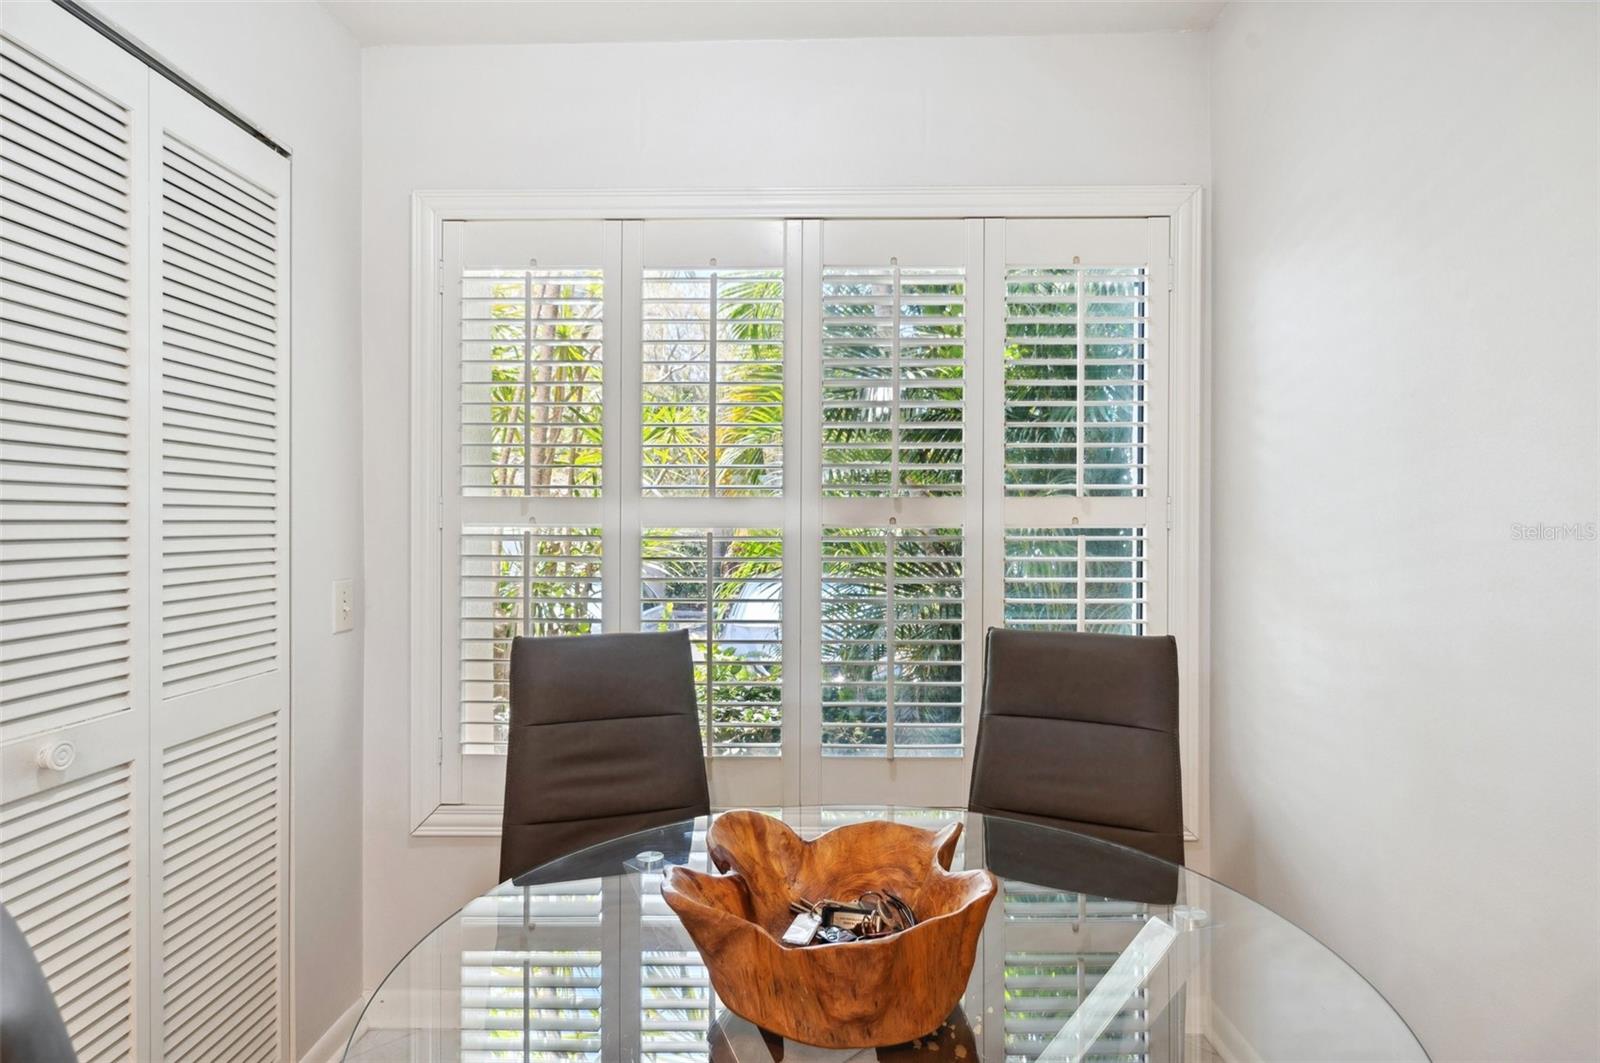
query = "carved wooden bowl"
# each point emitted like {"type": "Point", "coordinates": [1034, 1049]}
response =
{"type": "Point", "coordinates": [854, 994]}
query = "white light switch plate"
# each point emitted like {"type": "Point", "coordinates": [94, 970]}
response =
{"type": "Point", "coordinates": [344, 605]}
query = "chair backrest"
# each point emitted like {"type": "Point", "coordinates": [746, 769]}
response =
{"type": "Point", "coordinates": [605, 741]}
{"type": "Point", "coordinates": [1081, 731]}
{"type": "Point", "coordinates": [30, 1023]}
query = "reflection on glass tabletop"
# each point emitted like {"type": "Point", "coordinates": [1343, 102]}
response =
{"type": "Point", "coordinates": [1091, 952]}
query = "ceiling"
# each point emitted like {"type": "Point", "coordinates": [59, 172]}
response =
{"type": "Point", "coordinates": [573, 21]}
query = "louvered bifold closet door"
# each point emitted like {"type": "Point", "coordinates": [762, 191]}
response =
{"type": "Point", "coordinates": [895, 541]}
{"type": "Point", "coordinates": [220, 707]}
{"type": "Point", "coordinates": [73, 586]}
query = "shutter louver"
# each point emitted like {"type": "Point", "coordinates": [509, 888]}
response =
{"type": "Point", "coordinates": [1074, 381]}
{"type": "Point", "coordinates": [67, 877]}
{"type": "Point", "coordinates": [1076, 579]}
{"type": "Point", "coordinates": [220, 895]}
{"type": "Point", "coordinates": [221, 533]}
{"type": "Point", "coordinates": [713, 382]}
{"type": "Point", "coordinates": [726, 588]}
{"type": "Point", "coordinates": [531, 382]}
{"type": "Point", "coordinates": [893, 637]}
{"type": "Point", "coordinates": [893, 381]}
{"type": "Point", "coordinates": [65, 416]}
{"type": "Point", "coordinates": [518, 581]}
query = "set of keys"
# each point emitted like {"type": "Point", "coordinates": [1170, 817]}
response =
{"type": "Point", "coordinates": [830, 922]}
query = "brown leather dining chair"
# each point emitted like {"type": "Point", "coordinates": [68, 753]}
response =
{"type": "Point", "coordinates": [1080, 731]}
{"type": "Point", "coordinates": [604, 742]}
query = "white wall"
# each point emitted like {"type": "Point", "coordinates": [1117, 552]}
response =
{"type": "Point", "coordinates": [1048, 111]}
{"type": "Point", "coordinates": [296, 72]}
{"type": "Point", "coordinates": [1405, 698]}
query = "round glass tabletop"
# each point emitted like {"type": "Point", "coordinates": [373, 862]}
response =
{"type": "Point", "coordinates": [1089, 952]}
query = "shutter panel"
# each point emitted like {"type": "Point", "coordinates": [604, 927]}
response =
{"type": "Point", "coordinates": [67, 877]}
{"type": "Point", "coordinates": [221, 317]}
{"type": "Point", "coordinates": [532, 349]}
{"type": "Point", "coordinates": [893, 636]}
{"type": "Point", "coordinates": [221, 951]}
{"type": "Point", "coordinates": [712, 358]}
{"type": "Point", "coordinates": [66, 431]}
{"type": "Point", "coordinates": [893, 380]}
{"type": "Point", "coordinates": [725, 586]}
{"type": "Point", "coordinates": [531, 581]}
{"type": "Point", "coordinates": [221, 527]}
{"type": "Point", "coordinates": [1072, 579]}
{"type": "Point", "coordinates": [1075, 397]}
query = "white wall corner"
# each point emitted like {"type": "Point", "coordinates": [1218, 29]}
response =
{"type": "Point", "coordinates": [329, 1048]}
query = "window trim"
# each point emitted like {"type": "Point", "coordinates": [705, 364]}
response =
{"type": "Point", "coordinates": [1188, 511]}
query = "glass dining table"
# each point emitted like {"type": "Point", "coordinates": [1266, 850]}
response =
{"type": "Point", "coordinates": [1090, 952]}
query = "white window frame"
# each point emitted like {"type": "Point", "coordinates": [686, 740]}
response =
{"type": "Point", "coordinates": [430, 813]}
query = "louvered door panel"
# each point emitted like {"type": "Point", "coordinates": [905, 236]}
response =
{"type": "Point", "coordinates": [67, 876]}
{"type": "Point", "coordinates": [67, 343]}
{"type": "Point", "coordinates": [219, 726]}
{"type": "Point", "coordinates": [74, 543]}
{"type": "Point", "coordinates": [221, 526]}
{"type": "Point", "coordinates": [221, 949]}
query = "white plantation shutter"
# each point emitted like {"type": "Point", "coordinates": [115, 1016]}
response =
{"type": "Point", "coordinates": [992, 392]}
{"type": "Point", "coordinates": [893, 641]}
{"type": "Point", "coordinates": [68, 329]}
{"type": "Point", "coordinates": [725, 587]}
{"type": "Point", "coordinates": [712, 361]}
{"type": "Point", "coordinates": [520, 581]}
{"type": "Point", "coordinates": [532, 381]}
{"type": "Point", "coordinates": [893, 380]}
{"type": "Point", "coordinates": [1076, 579]}
{"type": "Point", "coordinates": [1075, 396]}
{"type": "Point", "coordinates": [897, 488]}
{"type": "Point", "coordinates": [527, 463]}
{"type": "Point", "coordinates": [1080, 452]}
{"type": "Point", "coordinates": [221, 323]}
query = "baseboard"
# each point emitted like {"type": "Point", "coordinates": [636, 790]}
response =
{"type": "Point", "coordinates": [1227, 1040]}
{"type": "Point", "coordinates": [330, 1046]}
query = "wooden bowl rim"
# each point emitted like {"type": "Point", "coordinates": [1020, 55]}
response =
{"type": "Point", "coordinates": [990, 885]}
